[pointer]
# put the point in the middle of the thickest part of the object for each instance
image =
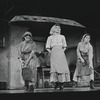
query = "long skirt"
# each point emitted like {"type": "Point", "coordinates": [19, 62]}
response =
{"type": "Point", "coordinates": [59, 66]}
{"type": "Point", "coordinates": [83, 71]}
{"type": "Point", "coordinates": [29, 75]}
{"type": "Point", "coordinates": [30, 72]}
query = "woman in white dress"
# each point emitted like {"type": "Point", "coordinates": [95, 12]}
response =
{"type": "Point", "coordinates": [84, 66]}
{"type": "Point", "coordinates": [56, 45]}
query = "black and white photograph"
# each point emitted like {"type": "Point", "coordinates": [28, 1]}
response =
{"type": "Point", "coordinates": [49, 47]}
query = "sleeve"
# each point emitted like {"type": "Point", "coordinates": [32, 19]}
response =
{"type": "Point", "coordinates": [34, 49]}
{"type": "Point", "coordinates": [64, 42]}
{"type": "Point", "coordinates": [90, 54]}
{"type": "Point", "coordinates": [32, 54]}
{"type": "Point", "coordinates": [48, 43]}
{"type": "Point", "coordinates": [78, 51]}
{"type": "Point", "coordinates": [19, 51]}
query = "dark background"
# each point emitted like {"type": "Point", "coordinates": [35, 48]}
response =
{"type": "Point", "coordinates": [86, 12]}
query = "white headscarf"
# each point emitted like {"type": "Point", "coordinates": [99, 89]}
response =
{"type": "Point", "coordinates": [82, 40]}
{"type": "Point", "coordinates": [25, 34]}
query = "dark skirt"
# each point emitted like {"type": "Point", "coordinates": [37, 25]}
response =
{"type": "Point", "coordinates": [27, 74]}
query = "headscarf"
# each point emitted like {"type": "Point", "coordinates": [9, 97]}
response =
{"type": "Point", "coordinates": [55, 28]}
{"type": "Point", "coordinates": [27, 34]}
{"type": "Point", "coordinates": [82, 40]}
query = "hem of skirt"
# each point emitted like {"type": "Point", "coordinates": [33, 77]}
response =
{"type": "Point", "coordinates": [60, 72]}
{"type": "Point", "coordinates": [82, 75]}
{"type": "Point", "coordinates": [59, 81]}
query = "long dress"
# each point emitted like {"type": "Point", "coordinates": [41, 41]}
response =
{"type": "Point", "coordinates": [82, 69]}
{"type": "Point", "coordinates": [58, 62]}
{"type": "Point", "coordinates": [25, 50]}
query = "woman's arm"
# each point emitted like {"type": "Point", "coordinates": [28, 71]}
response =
{"type": "Point", "coordinates": [64, 43]}
{"type": "Point", "coordinates": [79, 54]}
{"type": "Point", "coordinates": [19, 51]}
{"type": "Point", "coordinates": [48, 44]}
{"type": "Point", "coordinates": [20, 55]}
{"type": "Point", "coordinates": [32, 54]}
{"type": "Point", "coordinates": [90, 56]}
{"type": "Point", "coordinates": [28, 60]}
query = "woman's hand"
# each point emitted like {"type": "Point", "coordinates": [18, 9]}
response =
{"type": "Point", "coordinates": [90, 65]}
{"type": "Point", "coordinates": [64, 49]}
{"type": "Point", "coordinates": [49, 50]}
{"type": "Point", "coordinates": [82, 60]}
{"type": "Point", "coordinates": [27, 62]}
{"type": "Point", "coordinates": [22, 63]}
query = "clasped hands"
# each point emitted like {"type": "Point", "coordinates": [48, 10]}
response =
{"type": "Point", "coordinates": [83, 62]}
{"type": "Point", "coordinates": [24, 63]}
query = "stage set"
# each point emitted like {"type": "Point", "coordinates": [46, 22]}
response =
{"type": "Point", "coordinates": [11, 80]}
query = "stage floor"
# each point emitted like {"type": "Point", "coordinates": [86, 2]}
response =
{"type": "Point", "coordinates": [50, 90]}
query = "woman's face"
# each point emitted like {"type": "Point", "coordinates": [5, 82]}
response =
{"type": "Point", "coordinates": [57, 30]}
{"type": "Point", "coordinates": [87, 39]}
{"type": "Point", "coordinates": [27, 38]}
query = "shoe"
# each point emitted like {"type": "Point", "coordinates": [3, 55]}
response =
{"type": "Point", "coordinates": [26, 86]}
{"type": "Point", "coordinates": [31, 88]}
{"type": "Point", "coordinates": [56, 85]}
{"type": "Point", "coordinates": [74, 84]}
{"type": "Point", "coordinates": [91, 84]}
{"type": "Point", "coordinates": [61, 87]}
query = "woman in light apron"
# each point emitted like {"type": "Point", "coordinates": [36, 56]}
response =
{"type": "Point", "coordinates": [56, 45]}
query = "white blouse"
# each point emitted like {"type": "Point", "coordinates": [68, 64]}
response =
{"type": "Point", "coordinates": [56, 40]}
